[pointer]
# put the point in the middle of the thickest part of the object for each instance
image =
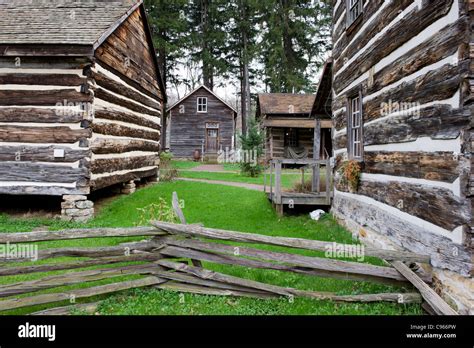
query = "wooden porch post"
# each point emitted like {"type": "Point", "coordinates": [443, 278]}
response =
{"type": "Point", "coordinates": [316, 155]}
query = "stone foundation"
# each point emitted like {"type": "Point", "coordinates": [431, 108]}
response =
{"type": "Point", "coordinates": [455, 289]}
{"type": "Point", "coordinates": [128, 188]}
{"type": "Point", "coordinates": [76, 208]}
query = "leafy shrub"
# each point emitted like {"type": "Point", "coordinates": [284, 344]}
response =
{"type": "Point", "coordinates": [160, 211]}
{"type": "Point", "coordinates": [168, 171]}
{"type": "Point", "coordinates": [252, 141]}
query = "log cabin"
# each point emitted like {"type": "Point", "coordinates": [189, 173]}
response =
{"type": "Point", "coordinates": [81, 100]}
{"type": "Point", "coordinates": [402, 110]}
{"type": "Point", "coordinates": [203, 124]}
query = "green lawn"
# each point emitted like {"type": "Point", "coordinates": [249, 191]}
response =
{"type": "Point", "coordinates": [184, 165]}
{"type": "Point", "coordinates": [227, 208]}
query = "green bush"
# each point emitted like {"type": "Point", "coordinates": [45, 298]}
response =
{"type": "Point", "coordinates": [252, 141]}
{"type": "Point", "coordinates": [168, 170]}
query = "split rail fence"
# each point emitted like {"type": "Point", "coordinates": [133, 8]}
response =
{"type": "Point", "coordinates": [171, 259]}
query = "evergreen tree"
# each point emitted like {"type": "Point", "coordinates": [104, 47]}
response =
{"type": "Point", "coordinates": [295, 37]}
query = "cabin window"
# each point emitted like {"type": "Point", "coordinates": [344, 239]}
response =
{"type": "Point", "coordinates": [291, 137]}
{"type": "Point", "coordinates": [202, 104]}
{"type": "Point", "coordinates": [354, 10]}
{"type": "Point", "coordinates": [355, 127]}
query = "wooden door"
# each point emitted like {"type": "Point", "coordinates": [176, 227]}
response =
{"type": "Point", "coordinates": [212, 136]}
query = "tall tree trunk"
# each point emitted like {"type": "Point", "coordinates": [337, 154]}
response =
{"type": "Point", "coordinates": [245, 78]}
{"type": "Point", "coordinates": [207, 69]}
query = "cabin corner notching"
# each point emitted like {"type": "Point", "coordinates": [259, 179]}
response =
{"type": "Point", "coordinates": [402, 109]}
{"type": "Point", "coordinates": [79, 110]}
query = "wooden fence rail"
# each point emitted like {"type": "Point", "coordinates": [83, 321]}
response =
{"type": "Point", "coordinates": [158, 262]}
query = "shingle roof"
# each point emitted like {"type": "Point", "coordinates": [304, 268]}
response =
{"type": "Point", "coordinates": [285, 103]}
{"type": "Point", "coordinates": [80, 22]}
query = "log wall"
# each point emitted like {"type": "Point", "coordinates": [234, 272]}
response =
{"type": "Point", "coordinates": [416, 188]}
{"type": "Point", "coordinates": [128, 107]}
{"type": "Point", "coordinates": [44, 126]}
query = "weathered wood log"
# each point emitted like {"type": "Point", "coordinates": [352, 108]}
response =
{"type": "Point", "coordinates": [29, 237]}
{"type": "Point", "coordinates": [342, 268]}
{"type": "Point", "coordinates": [50, 98]}
{"type": "Point", "coordinates": [89, 308]}
{"type": "Point", "coordinates": [203, 290]}
{"type": "Point", "coordinates": [43, 190]}
{"type": "Point", "coordinates": [234, 260]}
{"type": "Point", "coordinates": [109, 114]}
{"type": "Point", "coordinates": [433, 299]}
{"type": "Point", "coordinates": [4, 271]}
{"type": "Point", "coordinates": [196, 231]}
{"type": "Point", "coordinates": [73, 278]}
{"type": "Point", "coordinates": [116, 87]}
{"type": "Point", "coordinates": [437, 166]}
{"type": "Point", "coordinates": [58, 135]}
{"type": "Point", "coordinates": [78, 294]}
{"type": "Point", "coordinates": [41, 153]}
{"type": "Point", "coordinates": [41, 63]}
{"type": "Point", "coordinates": [285, 291]}
{"type": "Point", "coordinates": [42, 79]}
{"type": "Point", "coordinates": [103, 94]}
{"type": "Point", "coordinates": [41, 50]}
{"type": "Point", "coordinates": [33, 172]}
{"type": "Point", "coordinates": [444, 252]}
{"type": "Point", "coordinates": [110, 145]}
{"type": "Point", "coordinates": [113, 179]}
{"type": "Point", "coordinates": [436, 205]}
{"type": "Point", "coordinates": [89, 252]}
{"type": "Point", "coordinates": [124, 131]}
{"type": "Point", "coordinates": [37, 115]}
{"type": "Point", "coordinates": [109, 165]}
{"type": "Point", "coordinates": [416, 20]}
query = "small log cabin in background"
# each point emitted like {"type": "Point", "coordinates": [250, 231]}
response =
{"type": "Point", "coordinates": [292, 122]}
{"type": "Point", "coordinates": [402, 108]}
{"type": "Point", "coordinates": [203, 123]}
{"type": "Point", "coordinates": [81, 99]}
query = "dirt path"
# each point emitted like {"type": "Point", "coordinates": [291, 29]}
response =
{"type": "Point", "coordinates": [253, 187]}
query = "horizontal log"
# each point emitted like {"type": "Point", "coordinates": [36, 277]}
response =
{"type": "Point", "coordinates": [342, 268]}
{"type": "Point", "coordinates": [43, 190]}
{"type": "Point", "coordinates": [436, 122]}
{"type": "Point", "coordinates": [8, 271]}
{"type": "Point", "coordinates": [41, 153]}
{"type": "Point", "coordinates": [113, 145]}
{"type": "Point", "coordinates": [433, 299]}
{"type": "Point", "coordinates": [238, 261]}
{"type": "Point", "coordinates": [438, 166]}
{"type": "Point", "coordinates": [89, 308]}
{"type": "Point", "coordinates": [89, 252]}
{"type": "Point", "coordinates": [46, 98]}
{"type": "Point", "coordinates": [33, 172]}
{"type": "Point", "coordinates": [42, 50]}
{"type": "Point", "coordinates": [439, 84]}
{"type": "Point", "coordinates": [436, 205]}
{"type": "Point", "coordinates": [298, 243]}
{"type": "Point", "coordinates": [110, 114]}
{"type": "Point", "coordinates": [42, 236]}
{"type": "Point", "coordinates": [124, 131]}
{"type": "Point", "coordinates": [108, 165]}
{"type": "Point", "coordinates": [116, 87]}
{"type": "Point", "coordinates": [44, 63]}
{"type": "Point", "coordinates": [285, 291]}
{"type": "Point", "coordinates": [204, 290]}
{"type": "Point", "coordinates": [37, 115]}
{"type": "Point", "coordinates": [78, 294]}
{"type": "Point", "coordinates": [111, 98]}
{"type": "Point", "coordinates": [73, 278]}
{"type": "Point", "coordinates": [113, 179]}
{"type": "Point", "coordinates": [42, 79]}
{"type": "Point", "coordinates": [22, 134]}
{"type": "Point", "coordinates": [444, 252]}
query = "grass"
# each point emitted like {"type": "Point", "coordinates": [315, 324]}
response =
{"type": "Point", "coordinates": [186, 165]}
{"type": "Point", "coordinates": [219, 207]}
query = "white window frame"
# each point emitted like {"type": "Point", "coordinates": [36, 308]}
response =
{"type": "Point", "coordinates": [355, 128]}
{"type": "Point", "coordinates": [201, 102]}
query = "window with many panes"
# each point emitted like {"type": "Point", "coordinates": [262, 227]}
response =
{"type": "Point", "coordinates": [355, 127]}
{"type": "Point", "coordinates": [202, 104]}
{"type": "Point", "coordinates": [354, 10]}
